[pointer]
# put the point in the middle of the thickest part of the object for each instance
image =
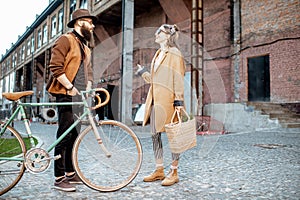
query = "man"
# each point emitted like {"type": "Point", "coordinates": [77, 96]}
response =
{"type": "Point", "coordinates": [72, 72]}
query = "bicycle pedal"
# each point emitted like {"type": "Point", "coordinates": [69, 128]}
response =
{"type": "Point", "coordinates": [57, 157]}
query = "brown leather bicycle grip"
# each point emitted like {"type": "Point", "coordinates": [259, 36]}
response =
{"type": "Point", "coordinates": [99, 99]}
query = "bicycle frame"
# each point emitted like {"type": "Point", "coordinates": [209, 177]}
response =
{"type": "Point", "coordinates": [115, 168]}
{"type": "Point", "coordinates": [86, 112]}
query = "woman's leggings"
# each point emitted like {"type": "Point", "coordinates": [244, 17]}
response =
{"type": "Point", "coordinates": [158, 148]}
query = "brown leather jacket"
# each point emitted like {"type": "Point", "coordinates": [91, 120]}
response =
{"type": "Point", "coordinates": [66, 59]}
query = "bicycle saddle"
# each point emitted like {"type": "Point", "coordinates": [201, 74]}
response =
{"type": "Point", "coordinates": [13, 96]}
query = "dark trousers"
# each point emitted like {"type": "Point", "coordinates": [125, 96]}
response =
{"type": "Point", "coordinates": [64, 148]}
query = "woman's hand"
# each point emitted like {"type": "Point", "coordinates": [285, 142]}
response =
{"type": "Point", "coordinates": [140, 68]}
{"type": "Point", "coordinates": [178, 108]}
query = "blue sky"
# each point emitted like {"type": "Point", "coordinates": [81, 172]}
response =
{"type": "Point", "coordinates": [15, 15]}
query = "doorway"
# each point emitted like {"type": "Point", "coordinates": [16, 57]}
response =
{"type": "Point", "coordinates": [259, 78]}
{"type": "Point", "coordinates": [111, 109]}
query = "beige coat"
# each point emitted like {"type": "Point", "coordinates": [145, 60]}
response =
{"type": "Point", "coordinates": [166, 85]}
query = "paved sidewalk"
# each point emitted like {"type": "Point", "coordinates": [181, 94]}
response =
{"type": "Point", "coordinates": [264, 164]}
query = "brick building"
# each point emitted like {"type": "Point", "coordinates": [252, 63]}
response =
{"type": "Point", "coordinates": [250, 53]}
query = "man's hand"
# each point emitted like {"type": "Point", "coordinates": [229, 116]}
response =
{"type": "Point", "coordinates": [73, 92]}
{"type": "Point", "coordinates": [89, 86]}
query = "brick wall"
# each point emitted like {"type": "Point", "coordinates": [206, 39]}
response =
{"type": "Point", "coordinates": [216, 41]}
{"type": "Point", "coordinates": [268, 28]}
{"type": "Point", "coordinates": [284, 70]}
{"type": "Point", "coordinates": [217, 64]}
{"type": "Point", "coordinates": [272, 28]}
{"type": "Point", "coordinates": [265, 21]}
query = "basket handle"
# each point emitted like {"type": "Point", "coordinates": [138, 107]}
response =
{"type": "Point", "coordinates": [176, 112]}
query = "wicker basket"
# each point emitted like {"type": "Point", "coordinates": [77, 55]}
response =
{"type": "Point", "coordinates": [181, 135]}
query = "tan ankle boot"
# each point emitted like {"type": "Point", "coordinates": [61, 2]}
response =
{"type": "Point", "coordinates": [171, 178]}
{"type": "Point", "coordinates": [158, 174]}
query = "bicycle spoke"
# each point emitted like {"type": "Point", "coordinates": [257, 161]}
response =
{"type": "Point", "coordinates": [11, 170]}
{"type": "Point", "coordinates": [108, 173]}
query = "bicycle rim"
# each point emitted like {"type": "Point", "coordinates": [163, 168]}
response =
{"type": "Point", "coordinates": [11, 171]}
{"type": "Point", "coordinates": [103, 173]}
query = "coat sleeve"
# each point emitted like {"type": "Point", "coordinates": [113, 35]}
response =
{"type": "Point", "coordinates": [147, 77]}
{"type": "Point", "coordinates": [178, 77]}
{"type": "Point", "coordinates": [59, 52]}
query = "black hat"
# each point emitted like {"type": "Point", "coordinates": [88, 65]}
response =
{"type": "Point", "coordinates": [80, 13]}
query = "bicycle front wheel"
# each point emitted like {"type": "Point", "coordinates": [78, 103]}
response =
{"type": "Point", "coordinates": [12, 151]}
{"type": "Point", "coordinates": [100, 171]}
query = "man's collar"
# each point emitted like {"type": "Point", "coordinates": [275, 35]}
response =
{"type": "Point", "coordinates": [79, 37]}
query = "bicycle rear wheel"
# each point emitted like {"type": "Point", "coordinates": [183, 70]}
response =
{"type": "Point", "coordinates": [12, 151]}
{"type": "Point", "coordinates": [103, 173]}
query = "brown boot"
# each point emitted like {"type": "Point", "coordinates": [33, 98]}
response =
{"type": "Point", "coordinates": [171, 178]}
{"type": "Point", "coordinates": [158, 174]}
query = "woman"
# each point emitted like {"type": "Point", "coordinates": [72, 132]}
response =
{"type": "Point", "coordinates": [166, 93]}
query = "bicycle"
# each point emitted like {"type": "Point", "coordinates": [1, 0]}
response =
{"type": "Point", "coordinates": [111, 144]}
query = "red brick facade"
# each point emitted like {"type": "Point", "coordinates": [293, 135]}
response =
{"type": "Point", "coordinates": [218, 81]}
{"type": "Point", "coordinates": [272, 28]}
{"type": "Point", "coordinates": [267, 28]}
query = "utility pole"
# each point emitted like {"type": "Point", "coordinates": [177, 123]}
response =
{"type": "Point", "coordinates": [127, 61]}
{"type": "Point", "coordinates": [236, 47]}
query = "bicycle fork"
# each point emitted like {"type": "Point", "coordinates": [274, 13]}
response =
{"type": "Point", "coordinates": [97, 135]}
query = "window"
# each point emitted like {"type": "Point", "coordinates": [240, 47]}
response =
{"type": "Point", "coordinates": [28, 47]}
{"type": "Point", "coordinates": [53, 26]}
{"type": "Point", "coordinates": [14, 60]}
{"type": "Point", "coordinates": [72, 8]}
{"type": "Point", "coordinates": [32, 44]}
{"type": "Point", "coordinates": [2, 68]}
{"type": "Point", "coordinates": [45, 34]}
{"type": "Point", "coordinates": [83, 4]}
{"type": "Point", "coordinates": [60, 20]}
{"type": "Point", "coordinates": [20, 55]}
{"type": "Point", "coordinates": [23, 52]}
{"type": "Point", "coordinates": [8, 64]}
{"type": "Point", "coordinates": [39, 38]}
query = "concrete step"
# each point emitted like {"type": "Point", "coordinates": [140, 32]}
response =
{"type": "Point", "coordinates": [288, 119]}
{"type": "Point", "coordinates": [286, 114]}
{"type": "Point", "coordinates": [290, 125]}
{"type": "Point", "coordinates": [283, 115]}
{"type": "Point", "coordinates": [274, 111]}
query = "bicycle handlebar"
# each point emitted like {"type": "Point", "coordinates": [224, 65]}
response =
{"type": "Point", "coordinates": [99, 104]}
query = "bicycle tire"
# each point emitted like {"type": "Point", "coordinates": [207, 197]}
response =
{"type": "Point", "coordinates": [102, 173]}
{"type": "Point", "coordinates": [11, 171]}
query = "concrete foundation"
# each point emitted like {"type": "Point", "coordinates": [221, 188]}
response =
{"type": "Point", "coordinates": [238, 117]}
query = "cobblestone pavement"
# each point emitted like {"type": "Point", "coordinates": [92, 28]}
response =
{"type": "Point", "coordinates": [263, 164]}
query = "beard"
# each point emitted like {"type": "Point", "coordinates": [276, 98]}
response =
{"type": "Point", "coordinates": [88, 36]}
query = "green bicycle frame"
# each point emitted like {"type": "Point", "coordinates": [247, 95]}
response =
{"type": "Point", "coordinates": [20, 108]}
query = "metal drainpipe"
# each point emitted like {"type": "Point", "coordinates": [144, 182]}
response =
{"type": "Point", "coordinates": [197, 56]}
